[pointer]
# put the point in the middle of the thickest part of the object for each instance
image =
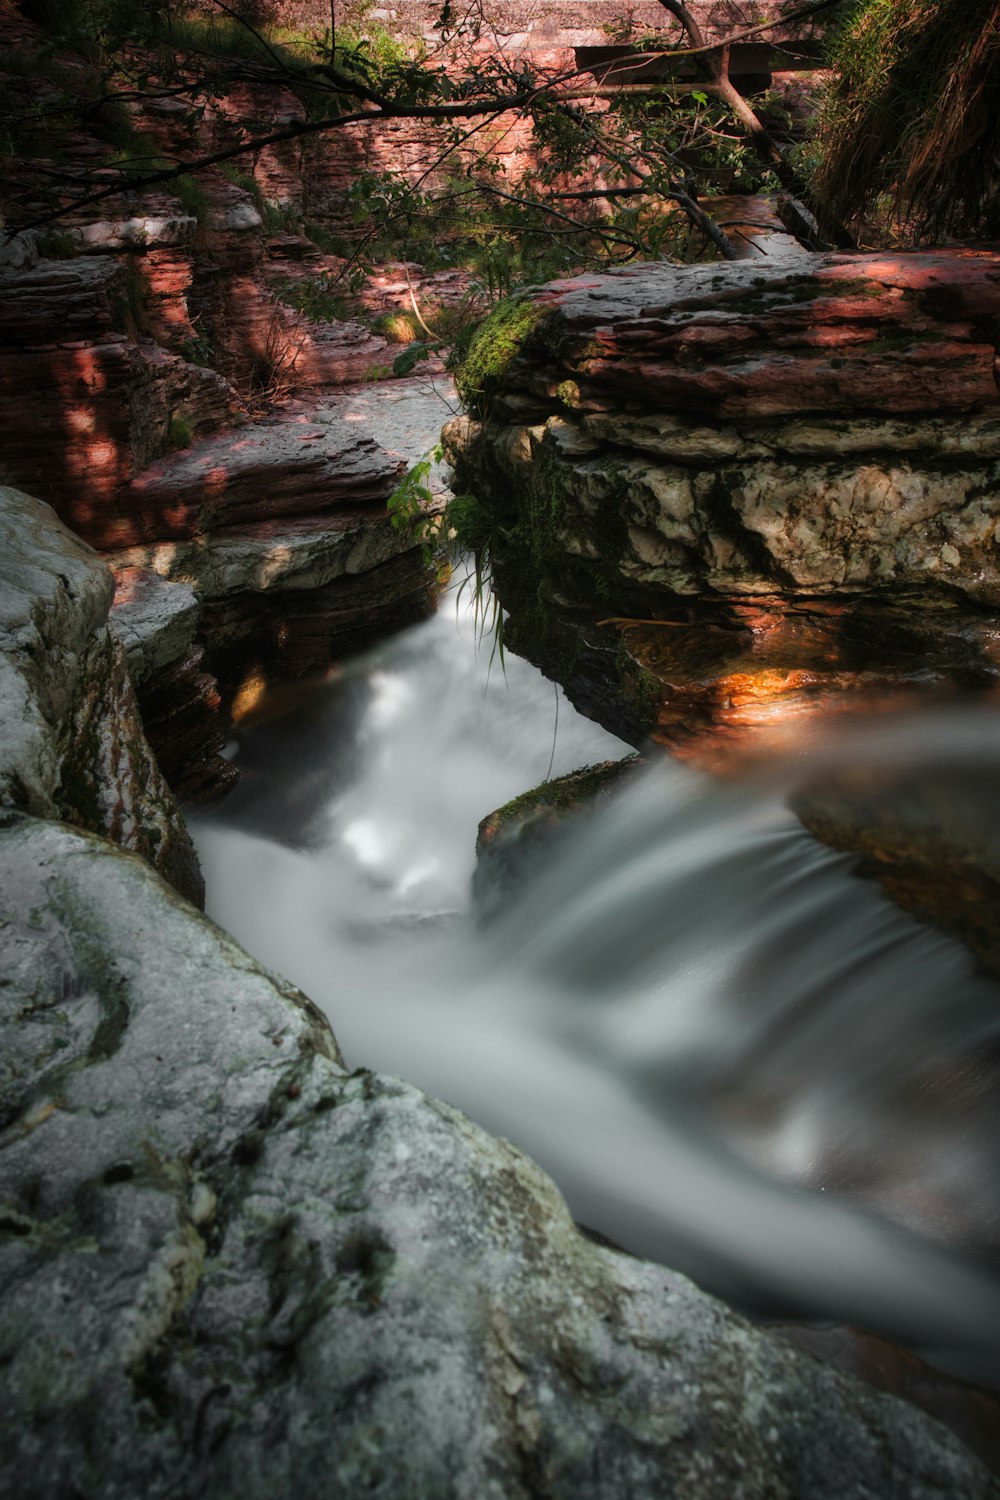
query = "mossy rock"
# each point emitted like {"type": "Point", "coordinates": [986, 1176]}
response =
{"type": "Point", "coordinates": [514, 841]}
{"type": "Point", "coordinates": [495, 347]}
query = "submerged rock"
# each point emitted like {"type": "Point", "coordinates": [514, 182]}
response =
{"type": "Point", "coordinates": [515, 840]}
{"type": "Point", "coordinates": [231, 1267]}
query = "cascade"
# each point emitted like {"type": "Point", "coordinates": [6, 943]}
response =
{"type": "Point", "coordinates": [733, 1054]}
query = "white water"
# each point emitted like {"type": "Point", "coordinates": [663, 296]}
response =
{"type": "Point", "coordinates": [695, 985]}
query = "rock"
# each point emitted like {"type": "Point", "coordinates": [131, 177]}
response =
{"type": "Point", "coordinates": [972, 1413]}
{"type": "Point", "coordinates": [143, 231]}
{"type": "Point", "coordinates": [893, 333]}
{"type": "Point", "coordinates": [158, 623]}
{"type": "Point", "coordinates": [281, 527]}
{"type": "Point", "coordinates": [262, 640]}
{"type": "Point", "coordinates": [340, 353]}
{"type": "Point", "coordinates": [230, 1267]}
{"type": "Point", "coordinates": [155, 621]}
{"type": "Point", "coordinates": [723, 497]}
{"type": "Point", "coordinates": [84, 402]}
{"type": "Point", "coordinates": [113, 430]}
{"type": "Point", "coordinates": [930, 835]}
{"type": "Point", "coordinates": [73, 744]}
{"type": "Point", "coordinates": [515, 840]}
{"type": "Point", "coordinates": [260, 472]}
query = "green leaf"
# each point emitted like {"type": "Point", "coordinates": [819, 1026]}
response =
{"type": "Point", "coordinates": [410, 357]}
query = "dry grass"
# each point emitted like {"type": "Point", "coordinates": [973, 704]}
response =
{"type": "Point", "coordinates": [912, 128]}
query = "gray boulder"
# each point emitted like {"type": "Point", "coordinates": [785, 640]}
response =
{"type": "Point", "coordinates": [230, 1267]}
{"type": "Point", "coordinates": [73, 746]}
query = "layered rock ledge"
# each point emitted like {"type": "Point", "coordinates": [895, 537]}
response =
{"type": "Point", "coordinates": [722, 496]}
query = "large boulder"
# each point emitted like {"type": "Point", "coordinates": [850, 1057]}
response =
{"type": "Point", "coordinates": [720, 495]}
{"type": "Point", "coordinates": [73, 745]}
{"type": "Point", "coordinates": [231, 1267]}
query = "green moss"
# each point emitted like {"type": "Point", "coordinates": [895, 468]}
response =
{"type": "Point", "coordinates": [566, 794]}
{"type": "Point", "coordinates": [494, 347]}
{"type": "Point", "coordinates": [642, 689]}
{"type": "Point", "coordinates": [891, 339]}
{"type": "Point", "coordinates": [767, 296]}
{"type": "Point", "coordinates": [179, 432]}
{"type": "Point", "coordinates": [192, 197]}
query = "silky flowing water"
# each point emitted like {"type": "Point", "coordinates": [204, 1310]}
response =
{"type": "Point", "coordinates": [732, 1053]}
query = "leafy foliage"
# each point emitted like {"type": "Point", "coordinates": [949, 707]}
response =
{"type": "Point", "coordinates": [673, 145]}
{"type": "Point", "coordinates": [461, 534]}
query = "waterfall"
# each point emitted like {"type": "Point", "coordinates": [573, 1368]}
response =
{"type": "Point", "coordinates": [732, 1053]}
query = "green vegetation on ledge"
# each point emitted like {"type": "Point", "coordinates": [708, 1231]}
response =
{"type": "Point", "coordinates": [494, 348]}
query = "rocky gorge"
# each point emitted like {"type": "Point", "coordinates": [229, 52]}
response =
{"type": "Point", "coordinates": [233, 1261]}
{"type": "Point", "coordinates": [230, 1263]}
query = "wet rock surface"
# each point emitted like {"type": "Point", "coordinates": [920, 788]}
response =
{"type": "Point", "coordinates": [515, 840]}
{"type": "Point", "coordinates": [160, 626]}
{"type": "Point", "coordinates": [231, 1266]}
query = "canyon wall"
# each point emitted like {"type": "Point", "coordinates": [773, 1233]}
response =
{"type": "Point", "coordinates": [181, 417]}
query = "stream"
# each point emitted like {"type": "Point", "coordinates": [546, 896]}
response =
{"type": "Point", "coordinates": [732, 1053]}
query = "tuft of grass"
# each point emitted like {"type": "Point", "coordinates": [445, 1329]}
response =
{"type": "Point", "coordinates": [192, 197]}
{"type": "Point", "coordinates": [464, 531]}
{"type": "Point", "coordinates": [135, 313]}
{"type": "Point", "coordinates": [911, 126]}
{"type": "Point", "coordinates": [58, 244]}
{"type": "Point", "coordinates": [397, 327]}
{"type": "Point", "coordinates": [276, 218]}
{"type": "Point", "coordinates": [223, 38]}
{"type": "Point", "coordinates": [180, 433]}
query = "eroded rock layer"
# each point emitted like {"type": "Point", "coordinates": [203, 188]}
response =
{"type": "Point", "coordinates": [724, 496]}
{"type": "Point", "coordinates": [270, 523]}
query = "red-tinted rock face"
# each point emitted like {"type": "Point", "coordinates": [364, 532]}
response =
{"type": "Point", "coordinates": [258, 472]}
{"type": "Point", "coordinates": [878, 333]}
{"type": "Point", "coordinates": [756, 492]}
